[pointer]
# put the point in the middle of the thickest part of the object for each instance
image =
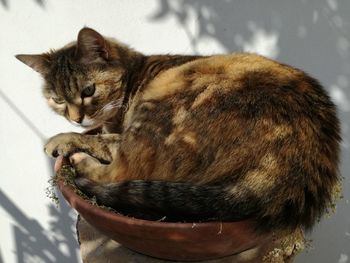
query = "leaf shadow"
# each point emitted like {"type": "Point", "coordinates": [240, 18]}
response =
{"type": "Point", "coordinates": [6, 3]}
{"type": "Point", "coordinates": [33, 242]}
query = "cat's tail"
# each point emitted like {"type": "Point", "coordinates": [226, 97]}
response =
{"type": "Point", "coordinates": [169, 201]}
{"type": "Point", "coordinates": [185, 202]}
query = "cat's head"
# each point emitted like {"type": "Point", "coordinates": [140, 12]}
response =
{"type": "Point", "coordinates": [84, 80]}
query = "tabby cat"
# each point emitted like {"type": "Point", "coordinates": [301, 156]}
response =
{"type": "Point", "coordinates": [192, 138]}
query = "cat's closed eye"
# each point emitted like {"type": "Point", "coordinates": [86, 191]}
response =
{"type": "Point", "coordinates": [88, 91]}
{"type": "Point", "coordinates": [58, 100]}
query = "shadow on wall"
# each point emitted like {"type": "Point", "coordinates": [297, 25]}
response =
{"type": "Point", "coordinates": [1, 260]}
{"type": "Point", "coordinates": [33, 243]}
{"type": "Point", "coordinates": [309, 34]}
{"type": "Point", "coordinates": [5, 3]}
{"type": "Point", "coordinates": [312, 34]}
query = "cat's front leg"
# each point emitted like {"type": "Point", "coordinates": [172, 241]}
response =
{"type": "Point", "coordinates": [98, 146]}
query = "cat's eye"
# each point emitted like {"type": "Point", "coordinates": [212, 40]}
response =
{"type": "Point", "coordinates": [58, 100]}
{"type": "Point", "coordinates": [88, 91]}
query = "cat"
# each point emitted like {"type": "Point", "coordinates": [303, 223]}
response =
{"type": "Point", "coordinates": [194, 138]}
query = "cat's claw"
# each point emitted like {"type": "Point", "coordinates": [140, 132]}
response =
{"type": "Point", "coordinates": [61, 144]}
{"type": "Point", "coordinates": [55, 154]}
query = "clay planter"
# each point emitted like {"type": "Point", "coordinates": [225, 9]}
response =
{"type": "Point", "coordinates": [173, 241]}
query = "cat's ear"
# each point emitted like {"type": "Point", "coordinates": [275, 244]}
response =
{"type": "Point", "coordinates": [39, 63]}
{"type": "Point", "coordinates": [92, 46]}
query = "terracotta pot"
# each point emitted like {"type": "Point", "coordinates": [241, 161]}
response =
{"type": "Point", "coordinates": [173, 241]}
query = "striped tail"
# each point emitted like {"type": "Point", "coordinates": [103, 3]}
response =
{"type": "Point", "coordinates": [185, 202]}
{"type": "Point", "coordinates": [169, 201]}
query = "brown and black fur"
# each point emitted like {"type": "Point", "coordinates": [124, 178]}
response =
{"type": "Point", "coordinates": [225, 137]}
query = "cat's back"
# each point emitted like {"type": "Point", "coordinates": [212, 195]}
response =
{"type": "Point", "coordinates": [232, 87]}
{"type": "Point", "coordinates": [208, 116]}
{"type": "Point", "coordinates": [222, 71]}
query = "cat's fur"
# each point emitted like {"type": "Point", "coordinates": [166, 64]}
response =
{"type": "Point", "coordinates": [192, 138]}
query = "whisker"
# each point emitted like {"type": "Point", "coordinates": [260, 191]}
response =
{"type": "Point", "coordinates": [108, 107]}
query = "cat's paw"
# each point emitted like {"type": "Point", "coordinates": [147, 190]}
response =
{"type": "Point", "coordinates": [101, 147]}
{"type": "Point", "coordinates": [87, 166]}
{"type": "Point", "coordinates": [63, 144]}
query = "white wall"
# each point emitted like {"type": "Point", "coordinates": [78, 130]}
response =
{"type": "Point", "coordinates": [313, 35]}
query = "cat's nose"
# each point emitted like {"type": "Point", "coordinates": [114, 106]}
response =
{"type": "Point", "coordinates": [74, 114]}
{"type": "Point", "coordinates": [78, 121]}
